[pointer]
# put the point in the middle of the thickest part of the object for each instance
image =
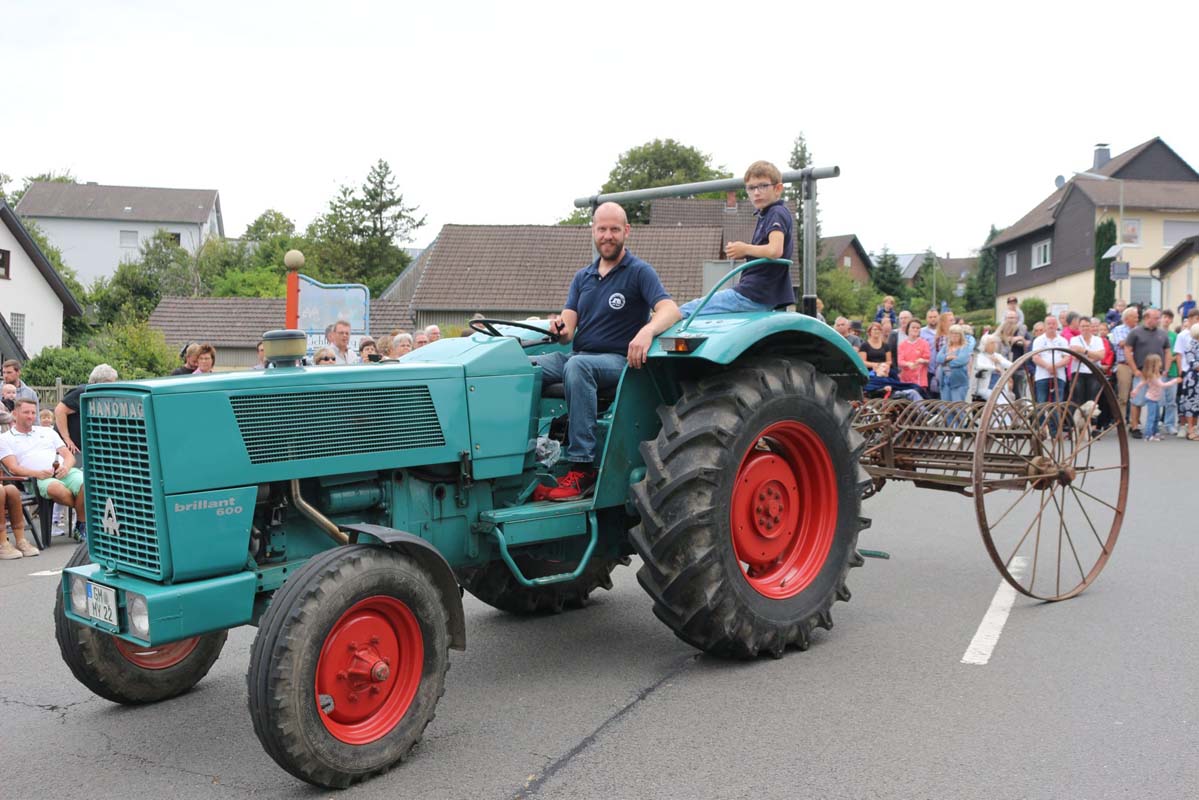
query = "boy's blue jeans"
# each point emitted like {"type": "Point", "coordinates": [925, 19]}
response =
{"type": "Point", "coordinates": [583, 375]}
{"type": "Point", "coordinates": [726, 301]}
{"type": "Point", "coordinates": [1152, 407]}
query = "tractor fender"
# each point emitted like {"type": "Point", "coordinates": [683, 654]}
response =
{"type": "Point", "coordinates": [431, 559]}
{"type": "Point", "coordinates": [728, 338]}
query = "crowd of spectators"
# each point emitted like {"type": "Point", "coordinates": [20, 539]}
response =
{"type": "Point", "coordinates": [1148, 355]}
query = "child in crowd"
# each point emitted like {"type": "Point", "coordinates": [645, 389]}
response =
{"type": "Point", "coordinates": [1154, 388]}
{"type": "Point", "coordinates": [764, 286]}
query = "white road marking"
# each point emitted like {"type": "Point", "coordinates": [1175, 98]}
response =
{"type": "Point", "coordinates": [987, 635]}
{"type": "Point", "coordinates": [45, 573]}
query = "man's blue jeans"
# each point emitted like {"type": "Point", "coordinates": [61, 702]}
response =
{"type": "Point", "coordinates": [726, 301]}
{"type": "Point", "coordinates": [583, 374]}
{"type": "Point", "coordinates": [1170, 403]}
{"type": "Point", "coordinates": [1042, 390]}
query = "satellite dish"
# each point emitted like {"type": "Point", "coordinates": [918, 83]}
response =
{"type": "Point", "coordinates": [1059, 181]}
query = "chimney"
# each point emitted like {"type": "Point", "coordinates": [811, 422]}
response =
{"type": "Point", "coordinates": [730, 202]}
{"type": "Point", "coordinates": [1103, 154]}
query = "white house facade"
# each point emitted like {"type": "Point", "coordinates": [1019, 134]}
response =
{"type": "Point", "coordinates": [33, 298]}
{"type": "Point", "coordinates": [98, 227]}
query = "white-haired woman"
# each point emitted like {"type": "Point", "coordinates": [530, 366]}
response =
{"type": "Point", "coordinates": [989, 364]}
{"type": "Point", "coordinates": [1188, 396]}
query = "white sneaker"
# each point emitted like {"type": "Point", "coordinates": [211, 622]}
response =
{"type": "Point", "coordinates": [8, 552]}
{"type": "Point", "coordinates": [1182, 433]}
{"type": "Point", "coordinates": [28, 548]}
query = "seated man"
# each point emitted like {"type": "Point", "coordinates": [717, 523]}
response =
{"type": "Point", "coordinates": [605, 319]}
{"type": "Point", "coordinates": [29, 450]}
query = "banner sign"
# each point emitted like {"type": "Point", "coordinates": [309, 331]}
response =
{"type": "Point", "coordinates": [1119, 270]}
{"type": "Point", "coordinates": [322, 304]}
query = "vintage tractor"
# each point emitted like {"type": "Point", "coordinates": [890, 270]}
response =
{"type": "Point", "coordinates": [343, 511]}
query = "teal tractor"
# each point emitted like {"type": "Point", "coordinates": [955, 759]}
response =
{"type": "Point", "coordinates": [343, 511]}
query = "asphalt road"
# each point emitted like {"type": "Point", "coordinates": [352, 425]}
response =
{"type": "Point", "coordinates": [1092, 698]}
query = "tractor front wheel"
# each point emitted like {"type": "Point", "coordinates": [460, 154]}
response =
{"type": "Point", "coordinates": [348, 665]}
{"type": "Point", "coordinates": [749, 509]}
{"type": "Point", "coordinates": [127, 673]}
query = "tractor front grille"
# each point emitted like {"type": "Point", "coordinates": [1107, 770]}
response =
{"type": "Point", "coordinates": [122, 526]}
{"type": "Point", "coordinates": [299, 425]}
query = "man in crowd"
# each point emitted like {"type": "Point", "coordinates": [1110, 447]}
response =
{"type": "Point", "coordinates": [420, 340]}
{"type": "Point", "coordinates": [1145, 339]}
{"type": "Point", "coordinates": [433, 332]}
{"type": "Point", "coordinates": [841, 325]}
{"type": "Point", "coordinates": [190, 354]}
{"type": "Point", "coordinates": [341, 343]}
{"type": "Point", "coordinates": [12, 375]}
{"type": "Point", "coordinates": [1170, 369]}
{"type": "Point", "coordinates": [605, 320]}
{"type": "Point", "coordinates": [1119, 334]}
{"type": "Point", "coordinates": [29, 450]}
{"type": "Point", "coordinates": [1186, 306]}
{"type": "Point", "coordinates": [261, 362]}
{"type": "Point", "coordinates": [66, 413]}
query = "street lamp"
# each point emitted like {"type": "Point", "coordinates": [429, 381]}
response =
{"type": "Point", "coordinates": [1119, 246]}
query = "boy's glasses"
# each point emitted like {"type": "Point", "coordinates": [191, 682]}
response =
{"type": "Point", "coordinates": [758, 187]}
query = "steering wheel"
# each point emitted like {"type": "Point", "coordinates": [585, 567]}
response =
{"type": "Point", "coordinates": [487, 326]}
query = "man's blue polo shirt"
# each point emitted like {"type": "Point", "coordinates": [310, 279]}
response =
{"type": "Point", "coordinates": [614, 307]}
{"type": "Point", "coordinates": [770, 284]}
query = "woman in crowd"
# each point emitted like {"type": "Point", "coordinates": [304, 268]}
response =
{"type": "Point", "coordinates": [205, 359]}
{"type": "Point", "coordinates": [989, 365]}
{"type": "Point", "coordinates": [953, 364]}
{"type": "Point", "coordinates": [367, 348]}
{"type": "Point", "coordinates": [324, 357]}
{"type": "Point", "coordinates": [1188, 398]}
{"type": "Point", "coordinates": [875, 353]}
{"type": "Point", "coordinates": [1086, 343]}
{"type": "Point", "coordinates": [384, 345]}
{"type": "Point", "coordinates": [401, 344]}
{"type": "Point", "coordinates": [944, 323]}
{"type": "Point", "coordinates": [914, 357]}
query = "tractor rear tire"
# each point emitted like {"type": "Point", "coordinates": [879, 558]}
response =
{"type": "Point", "coordinates": [348, 665]}
{"type": "Point", "coordinates": [749, 509]}
{"type": "Point", "coordinates": [495, 585]}
{"type": "Point", "coordinates": [126, 673]}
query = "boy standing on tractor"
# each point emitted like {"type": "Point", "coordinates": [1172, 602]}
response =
{"type": "Point", "coordinates": [765, 286]}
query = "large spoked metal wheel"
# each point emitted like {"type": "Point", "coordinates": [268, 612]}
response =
{"type": "Point", "coordinates": [128, 673]}
{"type": "Point", "coordinates": [749, 509]}
{"type": "Point", "coordinates": [348, 665]}
{"type": "Point", "coordinates": [1049, 487]}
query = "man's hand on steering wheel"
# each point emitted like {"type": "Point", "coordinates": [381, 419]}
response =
{"type": "Point", "coordinates": [488, 326]}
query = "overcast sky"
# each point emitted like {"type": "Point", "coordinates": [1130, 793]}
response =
{"type": "Point", "coordinates": [944, 118]}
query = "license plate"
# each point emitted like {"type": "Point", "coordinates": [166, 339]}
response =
{"type": "Point", "coordinates": [102, 603]}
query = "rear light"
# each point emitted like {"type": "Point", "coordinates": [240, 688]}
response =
{"type": "Point", "coordinates": [681, 344]}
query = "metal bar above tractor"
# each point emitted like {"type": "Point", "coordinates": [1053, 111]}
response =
{"type": "Point", "coordinates": [807, 177]}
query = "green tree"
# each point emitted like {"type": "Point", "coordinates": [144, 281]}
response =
{"type": "Point", "coordinates": [981, 285]}
{"type": "Point", "coordinates": [1105, 287]}
{"type": "Point", "coordinates": [800, 158]}
{"type": "Point", "coordinates": [1035, 311]}
{"type": "Point", "coordinates": [134, 290]}
{"type": "Point", "coordinates": [929, 287]}
{"type": "Point", "coordinates": [268, 225]}
{"type": "Point", "coordinates": [72, 364]}
{"type": "Point", "coordinates": [886, 276]}
{"type": "Point", "coordinates": [135, 350]}
{"type": "Point", "coordinates": [580, 216]}
{"type": "Point", "coordinates": [661, 162]}
{"type": "Point", "coordinates": [250, 282]}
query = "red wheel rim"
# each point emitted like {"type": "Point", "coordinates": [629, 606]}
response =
{"type": "Point", "coordinates": [784, 510]}
{"type": "Point", "coordinates": [369, 669]}
{"type": "Point", "coordinates": [160, 657]}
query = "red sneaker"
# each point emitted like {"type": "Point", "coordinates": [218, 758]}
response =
{"type": "Point", "coordinates": [540, 493]}
{"type": "Point", "coordinates": [573, 485]}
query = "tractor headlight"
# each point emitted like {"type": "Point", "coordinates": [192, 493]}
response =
{"type": "Point", "coordinates": [139, 616]}
{"type": "Point", "coordinates": [79, 595]}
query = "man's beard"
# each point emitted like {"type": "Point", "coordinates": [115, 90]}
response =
{"type": "Point", "coordinates": [609, 250]}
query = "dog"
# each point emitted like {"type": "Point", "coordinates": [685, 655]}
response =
{"type": "Point", "coordinates": [1083, 418]}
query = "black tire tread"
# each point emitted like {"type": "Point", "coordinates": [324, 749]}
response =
{"type": "Point", "coordinates": [95, 662]}
{"type": "Point", "coordinates": [496, 586]}
{"type": "Point", "coordinates": [678, 503]}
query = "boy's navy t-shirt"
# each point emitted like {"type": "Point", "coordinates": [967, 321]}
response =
{"type": "Point", "coordinates": [614, 307]}
{"type": "Point", "coordinates": [770, 284]}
